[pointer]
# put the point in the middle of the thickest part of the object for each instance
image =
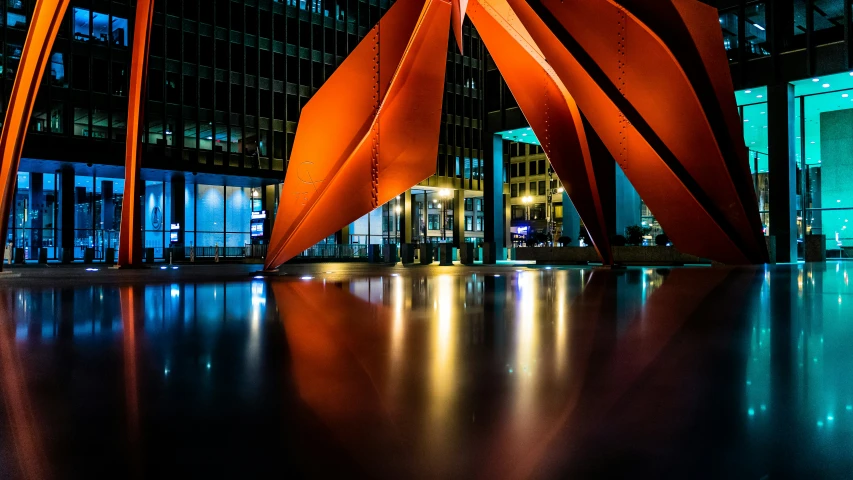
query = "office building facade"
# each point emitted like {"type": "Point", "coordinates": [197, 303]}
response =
{"type": "Point", "coordinates": [228, 80]}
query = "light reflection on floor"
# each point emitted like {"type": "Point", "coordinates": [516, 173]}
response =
{"type": "Point", "coordinates": [497, 373]}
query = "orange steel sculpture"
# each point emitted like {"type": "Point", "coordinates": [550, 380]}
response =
{"type": "Point", "coordinates": [549, 108]}
{"type": "Point", "coordinates": [47, 18]}
{"type": "Point", "coordinates": [130, 240]}
{"type": "Point", "coordinates": [651, 78]}
{"type": "Point", "coordinates": [382, 107]}
{"type": "Point", "coordinates": [660, 96]}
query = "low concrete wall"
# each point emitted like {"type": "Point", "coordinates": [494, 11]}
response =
{"type": "Point", "coordinates": [622, 255]}
{"type": "Point", "coordinates": [654, 256]}
{"type": "Point", "coordinates": [557, 255]}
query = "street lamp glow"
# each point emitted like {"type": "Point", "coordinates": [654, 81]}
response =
{"type": "Point", "coordinates": [561, 190]}
{"type": "Point", "coordinates": [527, 200]}
{"type": "Point", "coordinates": [398, 209]}
{"type": "Point", "coordinates": [444, 193]}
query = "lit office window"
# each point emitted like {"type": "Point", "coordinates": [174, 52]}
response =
{"type": "Point", "coordinates": [13, 57]}
{"type": "Point", "coordinates": [99, 27]}
{"type": "Point", "coordinates": [81, 122]}
{"type": "Point", "coordinates": [56, 117]}
{"type": "Point", "coordinates": [100, 123]}
{"type": "Point", "coordinates": [15, 14]}
{"type": "Point", "coordinates": [57, 70]}
{"type": "Point", "coordinates": [119, 125]}
{"type": "Point", "coordinates": [756, 30]}
{"type": "Point", "coordinates": [730, 26]}
{"type": "Point", "coordinates": [82, 25]}
{"type": "Point", "coordinates": [190, 133]}
{"type": "Point", "coordinates": [118, 31]}
{"type": "Point", "coordinates": [38, 121]}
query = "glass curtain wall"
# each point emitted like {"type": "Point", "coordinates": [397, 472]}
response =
{"type": "Point", "coordinates": [746, 25]}
{"type": "Point", "coordinates": [823, 154]}
{"type": "Point", "coordinates": [32, 224]}
{"type": "Point", "coordinates": [827, 148]}
{"type": "Point", "coordinates": [214, 216]}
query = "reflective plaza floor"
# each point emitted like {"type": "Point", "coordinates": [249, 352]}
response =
{"type": "Point", "coordinates": [429, 372]}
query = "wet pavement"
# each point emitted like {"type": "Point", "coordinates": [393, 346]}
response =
{"type": "Point", "coordinates": [433, 372]}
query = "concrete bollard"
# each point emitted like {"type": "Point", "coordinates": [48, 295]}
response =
{"type": "Point", "coordinates": [445, 254]}
{"type": "Point", "coordinates": [389, 253]}
{"type": "Point", "coordinates": [426, 254]}
{"type": "Point", "coordinates": [407, 253]}
{"type": "Point", "coordinates": [466, 254]}
{"type": "Point", "coordinates": [815, 248]}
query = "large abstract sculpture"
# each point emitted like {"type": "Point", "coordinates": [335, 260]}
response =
{"type": "Point", "coordinates": [651, 78]}
{"type": "Point", "coordinates": [47, 18]}
{"type": "Point", "coordinates": [664, 107]}
{"type": "Point", "coordinates": [370, 132]}
{"type": "Point", "coordinates": [549, 108]}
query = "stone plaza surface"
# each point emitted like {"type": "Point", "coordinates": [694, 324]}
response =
{"type": "Point", "coordinates": [510, 371]}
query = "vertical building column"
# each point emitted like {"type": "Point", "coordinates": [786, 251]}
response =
{"type": "Point", "coordinates": [178, 211]}
{"type": "Point", "coordinates": [507, 212]}
{"type": "Point", "coordinates": [571, 220]}
{"type": "Point", "coordinates": [37, 209]}
{"type": "Point", "coordinates": [494, 207]}
{"type": "Point", "coordinates": [268, 199]}
{"type": "Point", "coordinates": [67, 213]}
{"type": "Point", "coordinates": [407, 213]}
{"type": "Point", "coordinates": [342, 236]}
{"type": "Point", "coordinates": [783, 171]}
{"type": "Point", "coordinates": [107, 219]}
{"type": "Point", "coordinates": [780, 16]}
{"type": "Point", "coordinates": [458, 217]}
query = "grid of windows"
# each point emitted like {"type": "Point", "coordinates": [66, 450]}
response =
{"type": "Point", "coordinates": [227, 81]}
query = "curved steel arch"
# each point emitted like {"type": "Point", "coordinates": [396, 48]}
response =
{"type": "Point", "coordinates": [47, 18]}
{"type": "Point", "coordinates": [130, 235]}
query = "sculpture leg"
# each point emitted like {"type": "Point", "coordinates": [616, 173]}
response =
{"type": "Point", "coordinates": [130, 240]}
{"type": "Point", "coordinates": [550, 110]}
{"type": "Point", "coordinates": [46, 21]}
{"type": "Point", "coordinates": [388, 94]}
{"type": "Point", "coordinates": [638, 98]}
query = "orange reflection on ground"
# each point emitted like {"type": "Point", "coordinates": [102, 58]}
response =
{"type": "Point", "coordinates": [413, 391]}
{"type": "Point", "coordinates": [129, 311]}
{"type": "Point", "coordinates": [25, 429]}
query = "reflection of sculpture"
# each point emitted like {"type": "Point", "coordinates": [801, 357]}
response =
{"type": "Point", "coordinates": [652, 79]}
{"type": "Point", "coordinates": [405, 375]}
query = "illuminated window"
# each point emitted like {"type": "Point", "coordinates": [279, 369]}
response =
{"type": "Point", "coordinates": [99, 27]}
